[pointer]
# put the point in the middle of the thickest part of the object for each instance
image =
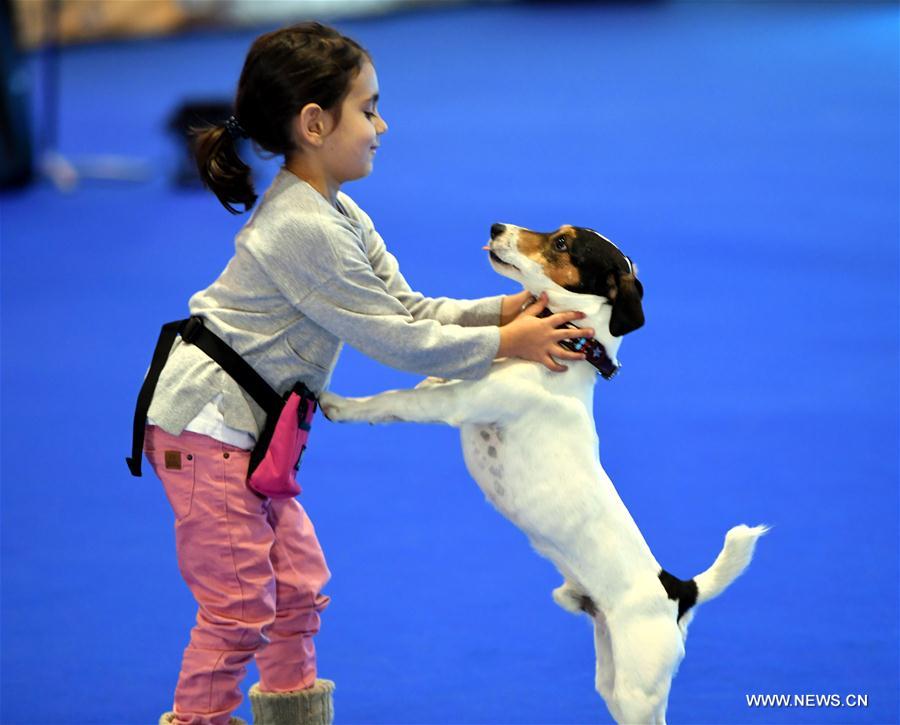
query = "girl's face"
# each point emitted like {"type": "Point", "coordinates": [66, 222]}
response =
{"type": "Point", "coordinates": [350, 147]}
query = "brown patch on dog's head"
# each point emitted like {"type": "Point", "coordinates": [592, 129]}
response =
{"type": "Point", "coordinates": [583, 261]}
{"type": "Point", "coordinates": [551, 250]}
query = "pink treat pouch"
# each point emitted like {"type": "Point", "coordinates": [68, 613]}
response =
{"type": "Point", "coordinates": [276, 456]}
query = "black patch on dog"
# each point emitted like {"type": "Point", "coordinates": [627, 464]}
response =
{"type": "Point", "coordinates": [678, 590]}
{"type": "Point", "coordinates": [587, 605]}
{"type": "Point", "coordinates": [605, 272]}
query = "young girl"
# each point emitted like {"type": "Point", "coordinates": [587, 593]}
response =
{"type": "Point", "coordinates": [309, 273]}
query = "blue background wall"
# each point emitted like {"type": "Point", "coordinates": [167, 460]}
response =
{"type": "Point", "coordinates": [745, 155]}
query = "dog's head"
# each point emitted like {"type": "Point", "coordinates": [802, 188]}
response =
{"type": "Point", "coordinates": [575, 259]}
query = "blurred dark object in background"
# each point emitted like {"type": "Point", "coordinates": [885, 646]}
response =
{"type": "Point", "coordinates": [193, 114]}
{"type": "Point", "coordinates": [15, 132]}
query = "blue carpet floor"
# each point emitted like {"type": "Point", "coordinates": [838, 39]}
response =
{"type": "Point", "coordinates": [745, 155]}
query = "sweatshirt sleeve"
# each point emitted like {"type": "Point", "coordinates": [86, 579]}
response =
{"type": "Point", "coordinates": [323, 270]}
{"type": "Point", "coordinates": [468, 313]}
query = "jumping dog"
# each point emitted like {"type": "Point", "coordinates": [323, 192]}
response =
{"type": "Point", "coordinates": [564, 502]}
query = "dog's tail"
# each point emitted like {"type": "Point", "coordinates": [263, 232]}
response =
{"type": "Point", "coordinates": [728, 566]}
{"type": "Point", "coordinates": [730, 563]}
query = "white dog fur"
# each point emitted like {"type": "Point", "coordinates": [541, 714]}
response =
{"type": "Point", "coordinates": [562, 499]}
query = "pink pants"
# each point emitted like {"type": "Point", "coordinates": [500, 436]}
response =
{"type": "Point", "coordinates": [254, 566]}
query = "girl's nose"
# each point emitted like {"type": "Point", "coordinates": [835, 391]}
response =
{"type": "Point", "coordinates": [384, 126]}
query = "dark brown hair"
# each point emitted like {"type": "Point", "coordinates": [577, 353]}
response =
{"type": "Point", "coordinates": [284, 70]}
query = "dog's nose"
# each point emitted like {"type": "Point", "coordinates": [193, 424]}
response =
{"type": "Point", "coordinates": [497, 230]}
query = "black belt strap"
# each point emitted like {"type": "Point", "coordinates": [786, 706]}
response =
{"type": "Point", "coordinates": [193, 332]}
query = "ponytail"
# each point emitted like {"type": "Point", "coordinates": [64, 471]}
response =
{"type": "Point", "coordinates": [221, 169]}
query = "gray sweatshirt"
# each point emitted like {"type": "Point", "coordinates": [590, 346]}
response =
{"type": "Point", "coordinates": [304, 279]}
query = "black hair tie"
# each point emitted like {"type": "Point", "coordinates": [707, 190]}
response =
{"type": "Point", "coordinates": [234, 128]}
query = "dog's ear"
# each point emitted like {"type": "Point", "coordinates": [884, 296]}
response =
{"type": "Point", "coordinates": [625, 293]}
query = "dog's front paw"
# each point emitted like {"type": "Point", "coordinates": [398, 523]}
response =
{"type": "Point", "coordinates": [345, 410]}
{"type": "Point", "coordinates": [334, 407]}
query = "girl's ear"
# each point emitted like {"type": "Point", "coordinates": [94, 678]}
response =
{"type": "Point", "coordinates": [311, 125]}
{"type": "Point", "coordinates": [626, 293]}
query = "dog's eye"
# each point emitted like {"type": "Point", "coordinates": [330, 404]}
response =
{"type": "Point", "coordinates": [560, 244]}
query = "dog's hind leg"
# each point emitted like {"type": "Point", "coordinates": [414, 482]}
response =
{"type": "Point", "coordinates": [661, 712]}
{"type": "Point", "coordinates": [605, 672]}
{"type": "Point", "coordinates": [572, 599]}
{"type": "Point", "coordinates": [647, 651]}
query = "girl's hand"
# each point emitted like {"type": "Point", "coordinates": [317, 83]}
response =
{"type": "Point", "coordinates": [513, 306]}
{"type": "Point", "coordinates": [532, 338]}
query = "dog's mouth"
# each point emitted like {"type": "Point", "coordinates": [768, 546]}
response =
{"type": "Point", "coordinates": [497, 259]}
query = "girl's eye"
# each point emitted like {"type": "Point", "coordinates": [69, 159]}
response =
{"type": "Point", "coordinates": [369, 114]}
{"type": "Point", "coordinates": [560, 244]}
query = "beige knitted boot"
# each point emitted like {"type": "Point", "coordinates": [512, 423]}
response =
{"type": "Point", "coordinates": [168, 717]}
{"type": "Point", "coordinates": [298, 707]}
